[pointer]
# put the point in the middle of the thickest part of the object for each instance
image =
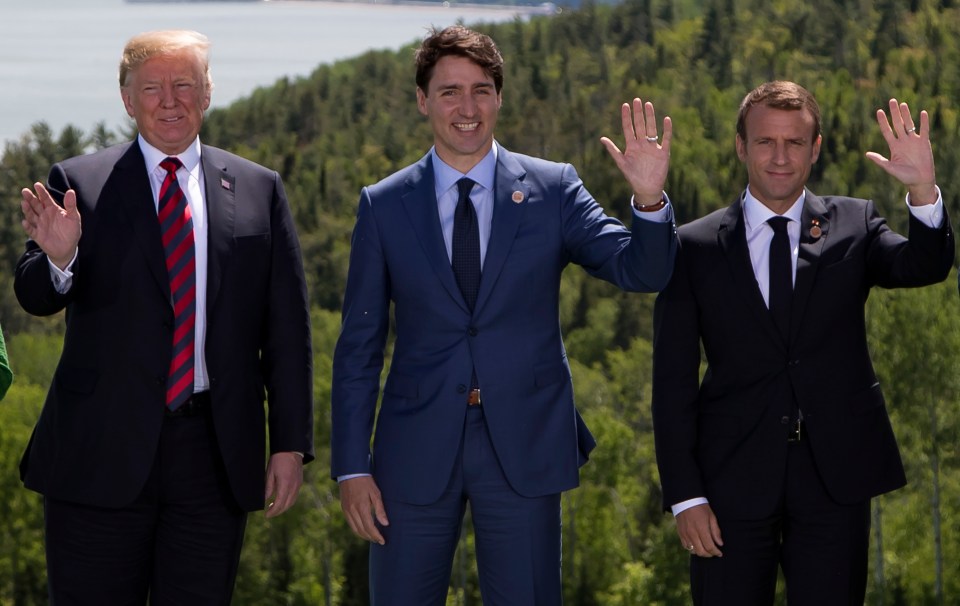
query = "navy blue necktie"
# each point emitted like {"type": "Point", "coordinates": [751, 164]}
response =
{"type": "Point", "coordinates": [466, 244]}
{"type": "Point", "coordinates": [781, 275]}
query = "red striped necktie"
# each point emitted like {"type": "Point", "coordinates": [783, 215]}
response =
{"type": "Point", "coordinates": [176, 228]}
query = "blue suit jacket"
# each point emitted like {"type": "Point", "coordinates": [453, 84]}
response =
{"type": "Point", "coordinates": [512, 338]}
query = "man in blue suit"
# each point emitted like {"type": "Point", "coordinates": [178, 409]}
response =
{"type": "Point", "coordinates": [469, 244]}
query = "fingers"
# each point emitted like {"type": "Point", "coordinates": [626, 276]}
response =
{"type": "Point", "coordinates": [363, 508]}
{"type": "Point", "coordinates": [900, 123]}
{"type": "Point", "coordinates": [699, 532]}
{"type": "Point", "coordinates": [284, 478]}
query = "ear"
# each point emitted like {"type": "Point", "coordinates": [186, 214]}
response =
{"type": "Point", "coordinates": [207, 93]}
{"type": "Point", "coordinates": [815, 152]}
{"type": "Point", "coordinates": [499, 99]}
{"type": "Point", "coordinates": [421, 101]}
{"type": "Point", "coordinates": [741, 149]}
{"type": "Point", "coordinates": [126, 95]}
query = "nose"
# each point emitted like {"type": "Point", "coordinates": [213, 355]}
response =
{"type": "Point", "coordinates": [167, 98]}
{"type": "Point", "coordinates": [468, 105]}
{"type": "Point", "coordinates": [780, 153]}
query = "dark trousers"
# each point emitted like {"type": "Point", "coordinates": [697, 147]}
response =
{"type": "Point", "coordinates": [178, 542]}
{"type": "Point", "coordinates": [820, 544]}
{"type": "Point", "coordinates": [517, 538]}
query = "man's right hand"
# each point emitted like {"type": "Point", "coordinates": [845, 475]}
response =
{"type": "Point", "coordinates": [361, 502]}
{"type": "Point", "coordinates": [699, 531]}
{"type": "Point", "coordinates": [56, 230]}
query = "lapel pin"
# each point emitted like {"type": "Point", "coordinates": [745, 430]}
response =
{"type": "Point", "coordinates": [517, 197]}
{"type": "Point", "coordinates": [226, 184]}
{"type": "Point", "coordinates": [815, 231]}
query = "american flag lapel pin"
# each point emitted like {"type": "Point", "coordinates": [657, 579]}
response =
{"type": "Point", "coordinates": [226, 184]}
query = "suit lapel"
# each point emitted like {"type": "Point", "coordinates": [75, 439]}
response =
{"type": "Point", "coordinates": [808, 260]}
{"type": "Point", "coordinates": [732, 237]}
{"type": "Point", "coordinates": [507, 213]}
{"type": "Point", "coordinates": [420, 203]}
{"type": "Point", "coordinates": [141, 212]}
{"type": "Point", "coordinates": [220, 194]}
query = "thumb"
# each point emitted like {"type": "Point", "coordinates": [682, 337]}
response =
{"type": "Point", "coordinates": [715, 530]}
{"type": "Point", "coordinates": [270, 485]}
{"type": "Point", "coordinates": [70, 202]}
{"type": "Point", "coordinates": [381, 513]}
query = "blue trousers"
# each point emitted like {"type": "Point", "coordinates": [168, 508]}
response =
{"type": "Point", "coordinates": [517, 538]}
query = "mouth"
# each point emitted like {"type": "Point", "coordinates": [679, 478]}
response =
{"type": "Point", "coordinates": [466, 127]}
{"type": "Point", "coordinates": [171, 120]}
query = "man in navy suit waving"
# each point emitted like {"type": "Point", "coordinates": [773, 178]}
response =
{"type": "Point", "coordinates": [186, 308]}
{"type": "Point", "coordinates": [469, 245]}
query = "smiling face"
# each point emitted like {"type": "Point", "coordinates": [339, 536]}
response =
{"type": "Point", "coordinates": [166, 96]}
{"type": "Point", "coordinates": [779, 150]}
{"type": "Point", "coordinates": [462, 104]}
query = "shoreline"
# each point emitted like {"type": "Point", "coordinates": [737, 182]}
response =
{"type": "Point", "coordinates": [539, 8]}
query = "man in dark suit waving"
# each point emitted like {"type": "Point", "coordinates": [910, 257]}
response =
{"type": "Point", "coordinates": [185, 307]}
{"type": "Point", "coordinates": [772, 459]}
{"type": "Point", "coordinates": [469, 244]}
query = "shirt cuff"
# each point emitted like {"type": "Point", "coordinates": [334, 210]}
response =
{"type": "Point", "coordinates": [351, 476]}
{"type": "Point", "coordinates": [930, 215]}
{"type": "Point", "coordinates": [62, 278]}
{"type": "Point", "coordinates": [685, 505]}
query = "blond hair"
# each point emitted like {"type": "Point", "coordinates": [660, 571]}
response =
{"type": "Point", "coordinates": [147, 45]}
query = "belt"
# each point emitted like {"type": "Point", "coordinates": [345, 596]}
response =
{"type": "Point", "coordinates": [796, 431]}
{"type": "Point", "coordinates": [473, 398]}
{"type": "Point", "coordinates": [196, 405]}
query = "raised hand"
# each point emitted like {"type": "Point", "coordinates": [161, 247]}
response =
{"type": "Point", "coordinates": [56, 230]}
{"type": "Point", "coordinates": [644, 161]}
{"type": "Point", "coordinates": [911, 157]}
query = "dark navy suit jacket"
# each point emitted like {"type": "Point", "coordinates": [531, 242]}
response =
{"type": "Point", "coordinates": [98, 432]}
{"type": "Point", "coordinates": [725, 438]}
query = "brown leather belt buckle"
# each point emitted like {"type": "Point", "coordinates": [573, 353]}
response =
{"type": "Point", "coordinates": [473, 398]}
{"type": "Point", "coordinates": [797, 432]}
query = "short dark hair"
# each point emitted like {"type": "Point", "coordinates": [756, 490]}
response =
{"type": "Point", "coordinates": [462, 42]}
{"type": "Point", "coordinates": [779, 94]}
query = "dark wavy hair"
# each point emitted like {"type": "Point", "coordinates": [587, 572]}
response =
{"type": "Point", "coordinates": [462, 42]}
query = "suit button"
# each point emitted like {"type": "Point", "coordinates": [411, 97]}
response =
{"type": "Point", "coordinates": [461, 388]}
{"type": "Point", "coordinates": [472, 332]}
{"type": "Point", "coordinates": [794, 362]}
{"type": "Point", "coordinates": [785, 420]}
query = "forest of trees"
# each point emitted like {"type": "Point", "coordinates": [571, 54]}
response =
{"type": "Point", "coordinates": [354, 122]}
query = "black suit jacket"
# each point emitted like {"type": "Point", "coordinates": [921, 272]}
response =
{"type": "Point", "coordinates": [726, 438]}
{"type": "Point", "coordinates": [96, 437]}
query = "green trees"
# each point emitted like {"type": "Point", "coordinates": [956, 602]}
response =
{"type": "Point", "coordinates": [353, 122]}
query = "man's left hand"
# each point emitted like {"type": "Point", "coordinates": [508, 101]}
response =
{"type": "Point", "coordinates": [284, 477]}
{"type": "Point", "coordinates": [644, 161]}
{"type": "Point", "coordinates": [911, 157]}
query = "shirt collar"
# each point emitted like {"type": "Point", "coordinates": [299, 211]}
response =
{"type": "Point", "coordinates": [152, 156]}
{"type": "Point", "coordinates": [755, 214]}
{"type": "Point", "coordinates": [446, 177]}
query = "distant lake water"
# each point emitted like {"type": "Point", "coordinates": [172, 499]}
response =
{"type": "Point", "coordinates": [58, 58]}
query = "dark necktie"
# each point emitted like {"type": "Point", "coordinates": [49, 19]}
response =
{"type": "Point", "coordinates": [781, 275]}
{"type": "Point", "coordinates": [176, 229]}
{"type": "Point", "coordinates": [466, 244]}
